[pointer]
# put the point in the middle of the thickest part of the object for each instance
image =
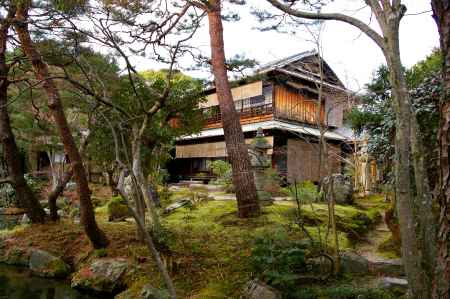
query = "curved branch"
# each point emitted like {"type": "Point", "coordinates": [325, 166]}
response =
{"type": "Point", "coordinates": [375, 36]}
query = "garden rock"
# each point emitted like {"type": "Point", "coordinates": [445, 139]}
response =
{"type": "Point", "coordinates": [342, 188]}
{"type": "Point", "coordinates": [389, 267]}
{"type": "Point", "coordinates": [102, 275]}
{"type": "Point", "coordinates": [71, 186]}
{"type": "Point", "coordinates": [176, 205]}
{"type": "Point", "coordinates": [354, 263]}
{"type": "Point", "coordinates": [256, 289]}
{"type": "Point", "coordinates": [44, 264]}
{"type": "Point", "coordinates": [393, 284]}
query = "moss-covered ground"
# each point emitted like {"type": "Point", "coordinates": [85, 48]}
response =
{"type": "Point", "coordinates": [208, 245]}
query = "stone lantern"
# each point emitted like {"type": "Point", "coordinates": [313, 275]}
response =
{"type": "Point", "coordinates": [260, 162]}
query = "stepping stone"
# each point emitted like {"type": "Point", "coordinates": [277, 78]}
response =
{"type": "Point", "coordinates": [387, 267]}
{"type": "Point", "coordinates": [393, 284]}
{"type": "Point", "coordinates": [224, 197]}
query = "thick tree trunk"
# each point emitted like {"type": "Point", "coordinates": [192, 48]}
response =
{"type": "Point", "coordinates": [248, 205]}
{"type": "Point", "coordinates": [441, 14]}
{"type": "Point", "coordinates": [95, 235]}
{"type": "Point", "coordinates": [24, 195]}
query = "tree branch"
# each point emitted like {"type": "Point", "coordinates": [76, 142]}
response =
{"type": "Point", "coordinates": [375, 36]}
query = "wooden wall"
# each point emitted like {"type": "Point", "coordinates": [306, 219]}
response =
{"type": "Point", "coordinates": [303, 160]}
{"type": "Point", "coordinates": [335, 101]}
{"type": "Point", "coordinates": [295, 106]}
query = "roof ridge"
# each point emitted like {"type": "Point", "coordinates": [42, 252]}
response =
{"type": "Point", "coordinates": [286, 60]}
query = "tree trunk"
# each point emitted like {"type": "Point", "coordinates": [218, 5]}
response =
{"type": "Point", "coordinates": [247, 200]}
{"type": "Point", "coordinates": [148, 240]}
{"type": "Point", "coordinates": [110, 181]}
{"type": "Point", "coordinates": [441, 14]}
{"type": "Point", "coordinates": [404, 196]}
{"type": "Point", "coordinates": [56, 192]}
{"type": "Point", "coordinates": [142, 184]}
{"type": "Point", "coordinates": [24, 195]}
{"type": "Point", "coordinates": [95, 235]}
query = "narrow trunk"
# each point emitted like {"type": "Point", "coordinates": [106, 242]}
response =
{"type": "Point", "coordinates": [95, 235]}
{"type": "Point", "coordinates": [111, 182]}
{"type": "Point", "coordinates": [247, 200]}
{"type": "Point", "coordinates": [404, 196]}
{"type": "Point", "coordinates": [56, 192]}
{"type": "Point", "coordinates": [142, 185]}
{"type": "Point", "coordinates": [24, 195]}
{"type": "Point", "coordinates": [147, 238]}
{"type": "Point", "coordinates": [441, 14]}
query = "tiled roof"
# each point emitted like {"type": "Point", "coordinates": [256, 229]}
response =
{"type": "Point", "coordinates": [267, 125]}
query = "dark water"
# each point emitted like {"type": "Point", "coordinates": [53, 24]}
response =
{"type": "Point", "coordinates": [17, 283]}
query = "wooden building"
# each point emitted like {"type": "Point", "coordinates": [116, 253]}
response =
{"type": "Point", "coordinates": [282, 98]}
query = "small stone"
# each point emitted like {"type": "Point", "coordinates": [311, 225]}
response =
{"type": "Point", "coordinates": [70, 186]}
{"type": "Point", "coordinates": [176, 205]}
{"type": "Point", "coordinates": [44, 264]}
{"type": "Point", "coordinates": [256, 289]}
{"type": "Point", "coordinates": [25, 219]}
{"type": "Point", "coordinates": [47, 211]}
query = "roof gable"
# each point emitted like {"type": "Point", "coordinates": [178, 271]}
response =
{"type": "Point", "coordinates": [304, 65]}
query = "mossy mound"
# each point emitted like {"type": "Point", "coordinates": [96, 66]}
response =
{"type": "Point", "coordinates": [117, 209]}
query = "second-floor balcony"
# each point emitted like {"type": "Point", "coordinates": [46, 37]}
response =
{"type": "Point", "coordinates": [246, 108]}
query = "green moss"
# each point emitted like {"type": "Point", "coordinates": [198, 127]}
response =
{"type": "Point", "coordinates": [389, 249]}
{"type": "Point", "coordinates": [117, 208]}
{"type": "Point", "coordinates": [102, 252]}
{"type": "Point", "coordinates": [57, 268]}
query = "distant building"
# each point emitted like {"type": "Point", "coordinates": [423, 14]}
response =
{"type": "Point", "coordinates": [282, 99]}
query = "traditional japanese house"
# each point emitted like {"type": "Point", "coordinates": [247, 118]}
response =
{"type": "Point", "coordinates": [282, 98]}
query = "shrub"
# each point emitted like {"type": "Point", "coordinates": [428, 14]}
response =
{"type": "Point", "coordinates": [222, 170]}
{"type": "Point", "coordinates": [305, 191]}
{"type": "Point", "coordinates": [102, 252]}
{"type": "Point", "coordinates": [117, 209]}
{"type": "Point", "coordinates": [278, 259]}
{"type": "Point", "coordinates": [272, 181]}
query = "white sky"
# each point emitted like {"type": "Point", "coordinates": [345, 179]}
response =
{"type": "Point", "coordinates": [352, 55]}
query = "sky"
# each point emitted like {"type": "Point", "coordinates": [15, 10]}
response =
{"type": "Point", "coordinates": [352, 55]}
